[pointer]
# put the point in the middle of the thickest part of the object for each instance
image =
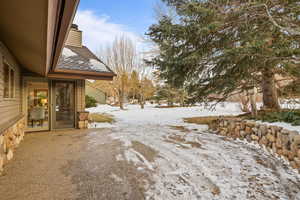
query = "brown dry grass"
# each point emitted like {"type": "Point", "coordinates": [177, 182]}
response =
{"type": "Point", "coordinates": [168, 106]}
{"type": "Point", "coordinates": [205, 120]}
{"type": "Point", "coordinates": [180, 128]}
{"type": "Point", "coordinates": [200, 120]}
{"type": "Point", "coordinates": [101, 118]}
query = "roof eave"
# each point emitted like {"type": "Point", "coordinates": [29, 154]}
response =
{"type": "Point", "coordinates": [65, 16]}
{"type": "Point", "coordinates": [80, 74]}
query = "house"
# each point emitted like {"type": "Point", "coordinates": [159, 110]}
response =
{"type": "Point", "coordinates": [42, 81]}
{"type": "Point", "coordinates": [95, 92]}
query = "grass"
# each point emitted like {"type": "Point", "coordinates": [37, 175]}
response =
{"type": "Point", "coordinates": [289, 116]}
{"type": "Point", "coordinates": [205, 120]}
{"type": "Point", "coordinates": [101, 118]}
{"type": "Point", "coordinates": [174, 106]}
{"type": "Point", "coordinates": [200, 120]}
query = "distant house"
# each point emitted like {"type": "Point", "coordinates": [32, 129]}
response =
{"type": "Point", "coordinates": [98, 94]}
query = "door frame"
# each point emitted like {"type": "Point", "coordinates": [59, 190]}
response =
{"type": "Point", "coordinates": [53, 102]}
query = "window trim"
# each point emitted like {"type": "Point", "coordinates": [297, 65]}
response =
{"type": "Point", "coordinates": [11, 93]}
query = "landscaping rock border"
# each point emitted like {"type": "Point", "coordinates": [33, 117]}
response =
{"type": "Point", "coordinates": [283, 142]}
{"type": "Point", "coordinates": [9, 141]}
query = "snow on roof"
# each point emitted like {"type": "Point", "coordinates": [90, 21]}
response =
{"type": "Point", "coordinates": [81, 58]}
{"type": "Point", "coordinates": [68, 53]}
{"type": "Point", "coordinates": [97, 65]}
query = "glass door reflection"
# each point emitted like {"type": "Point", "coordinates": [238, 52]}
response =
{"type": "Point", "coordinates": [37, 105]}
{"type": "Point", "coordinates": [64, 104]}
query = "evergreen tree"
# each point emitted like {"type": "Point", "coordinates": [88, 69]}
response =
{"type": "Point", "coordinates": [224, 47]}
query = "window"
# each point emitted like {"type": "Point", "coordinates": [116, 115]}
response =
{"type": "Point", "coordinates": [9, 81]}
{"type": "Point", "coordinates": [6, 81]}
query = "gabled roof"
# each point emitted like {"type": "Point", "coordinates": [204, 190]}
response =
{"type": "Point", "coordinates": [81, 59]}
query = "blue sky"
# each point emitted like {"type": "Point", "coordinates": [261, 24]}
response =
{"type": "Point", "coordinates": [137, 15]}
{"type": "Point", "coordinates": [102, 20]}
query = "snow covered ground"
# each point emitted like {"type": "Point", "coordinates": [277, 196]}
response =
{"type": "Point", "coordinates": [186, 162]}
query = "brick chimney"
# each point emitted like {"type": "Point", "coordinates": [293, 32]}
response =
{"type": "Point", "coordinates": [74, 37]}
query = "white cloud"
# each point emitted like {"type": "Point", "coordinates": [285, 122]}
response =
{"type": "Point", "coordinates": [98, 31]}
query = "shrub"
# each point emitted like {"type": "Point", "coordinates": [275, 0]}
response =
{"type": "Point", "coordinates": [90, 101]}
{"type": "Point", "coordinates": [289, 116]}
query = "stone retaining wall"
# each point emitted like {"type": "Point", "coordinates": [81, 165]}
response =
{"type": "Point", "coordinates": [276, 139]}
{"type": "Point", "coordinates": [9, 141]}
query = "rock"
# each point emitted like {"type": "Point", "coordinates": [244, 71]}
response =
{"type": "Point", "coordinates": [285, 141]}
{"type": "Point", "coordinates": [294, 165]}
{"type": "Point", "coordinates": [278, 143]}
{"type": "Point", "coordinates": [298, 153]}
{"type": "Point", "coordinates": [237, 133]}
{"type": "Point", "coordinates": [243, 134]}
{"type": "Point", "coordinates": [254, 131]}
{"type": "Point", "coordinates": [273, 130]}
{"type": "Point", "coordinates": [290, 155]}
{"type": "Point", "coordinates": [295, 140]}
{"type": "Point", "coordinates": [248, 130]}
{"type": "Point", "coordinates": [81, 124]}
{"type": "Point", "coordinates": [243, 125]}
{"type": "Point", "coordinates": [231, 126]}
{"type": "Point", "coordinates": [9, 155]}
{"type": "Point", "coordinates": [279, 152]}
{"type": "Point", "coordinates": [285, 132]}
{"type": "Point", "coordinates": [263, 141]}
{"type": "Point", "coordinates": [297, 161]}
{"type": "Point", "coordinates": [1, 164]}
{"type": "Point", "coordinates": [271, 138]}
{"type": "Point", "coordinates": [285, 152]}
{"type": "Point", "coordinates": [251, 124]}
{"type": "Point", "coordinates": [274, 148]}
{"type": "Point", "coordinates": [263, 129]}
{"type": "Point", "coordinates": [225, 123]}
{"type": "Point", "coordinates": [254, 137]}
{"type": "Point", "coordinates": [248, 137]}
{"type": "Point", "coordinates": [223, 133]}
{"type": "Point", "coordinates": [259, 133]}
{"type": "Point", "coordinates": [1, 139]}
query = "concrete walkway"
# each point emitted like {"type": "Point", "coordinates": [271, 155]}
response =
{"type": "Point", "coordinates": [63, 165]}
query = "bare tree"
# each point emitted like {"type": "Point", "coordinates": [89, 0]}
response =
{"type": "Point", "coordinates": [121, 57]}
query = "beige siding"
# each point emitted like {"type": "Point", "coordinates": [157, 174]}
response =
{"type": "Point", "coordinates": [10, 109]}
{"type": "Point", "coordinates": [74, 38]}
{"type": "Point", "coordinates": [99, 95]}
{"type": "Point", "coordinates": [80, 95]}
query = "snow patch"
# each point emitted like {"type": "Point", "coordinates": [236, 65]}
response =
{"type": "Point", "coordinates": [217, 168]}
{"type": "Point", "coordinates": [68, 53]}
{"type": "Point", "coordinates": [97, 65]}
{"type": "Point", "coordinates": [116, 178]}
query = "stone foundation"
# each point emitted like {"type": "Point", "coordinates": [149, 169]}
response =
{"type": "Point", "coordinates": [276, 139]}
{"type": "Point", "coordinates": [9, 141]}
{"type": "Point", "coordinates": [83, 121]}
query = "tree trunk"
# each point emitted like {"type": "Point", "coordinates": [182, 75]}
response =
{"type": "Point", "coordinates": [142, 103]}
{"type": "Point", "coordinates": [121, 98]}
{"type": "Point", "coordinates": [270, 96]}
{"type": "Point", "coordinates": [244, 98]}
{"type": "Point", "coordinates": [253, 96]}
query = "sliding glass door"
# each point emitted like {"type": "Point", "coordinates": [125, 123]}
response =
{"type": "Point", "coordinates": [63, 104]}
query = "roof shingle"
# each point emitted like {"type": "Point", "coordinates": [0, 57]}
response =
{"type": "Point", "coordinates": [82, 59]}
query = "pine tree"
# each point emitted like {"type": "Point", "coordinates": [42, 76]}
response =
{"type": "Point", "coordinates": [225, 47]}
